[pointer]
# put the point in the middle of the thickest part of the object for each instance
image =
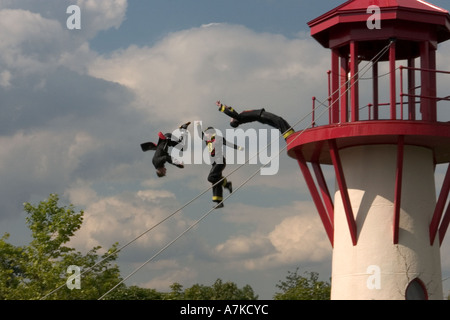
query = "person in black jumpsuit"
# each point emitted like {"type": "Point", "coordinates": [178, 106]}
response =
{"type": "Point", "coordinates": [215, 176]}
{"type": "Point", "coordinates": [161, 149]}
{"type": "Point", "coordinates": [259, 115]}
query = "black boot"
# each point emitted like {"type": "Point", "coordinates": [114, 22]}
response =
{"type": "Point", "coordinates": [229, 186]}
{"type": "Point", "coordinates": [219, 205]}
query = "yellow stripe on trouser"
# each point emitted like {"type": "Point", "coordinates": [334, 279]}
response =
{"type": "Point", "coordinates": [216, 198]}
{"type": "Point", "coordinates": [222, 108]}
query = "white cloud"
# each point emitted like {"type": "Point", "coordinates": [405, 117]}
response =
{"type": "Point", "coordinates": [31, 43]}
{"type": "Point", "coordinates": [121, 218]}
{"type": "Point", "coordinates": [184, 74]}
{"type": "Point", "coordinates": [245, 246]}
{"type": "Point", "coordinates": [99, 15]}
{"type": "Point", "coordinates": [34, 165]}
{"type": "Point", "coordinates": [41, 157]}
{"type": "Point", "coordinates": [295, 235]}
{"type": "Point", "coordinates": [81, 193]}
{"type": "Point", "coordinates": [96, 15]}
{"type": "Point", "coordinates": [36, 38]}
{"type": "Point", "coordinates": [301, 238]}
{"type": "Point", "coordinates": [172, 271]}
{"type": "Point", "coordinates": [5, 78]}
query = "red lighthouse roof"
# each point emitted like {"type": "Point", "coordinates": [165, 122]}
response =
{"type": "Point", "coordinates": [409, 4]}
{"type": "Point", "coordinates": [399, 19]}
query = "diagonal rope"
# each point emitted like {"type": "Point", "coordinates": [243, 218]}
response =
{"type": "Point", "coordinates": [376, 58]}
{"type": "Point", "coordinates": [239, 187]}
{"type": "Point", "coordinates": [203, 217]}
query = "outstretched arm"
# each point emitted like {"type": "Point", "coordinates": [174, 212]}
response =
{"type": "Point", "coordinates": [179, 140]}
{"type": "Point", "coordinates": [232, 145]}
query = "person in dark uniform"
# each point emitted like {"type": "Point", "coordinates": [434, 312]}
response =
{"type": "Point", "coordinates": [161, 149]}
{"type": "Point", "coordinates": [215, 176]}
{"type": "Point", "coordinates": [259, 115]}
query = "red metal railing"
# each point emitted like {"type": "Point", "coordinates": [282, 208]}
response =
{"type": "Point", "coordinates": [411, 91]}
{"type": "Point", "coordinates": [410, 95]}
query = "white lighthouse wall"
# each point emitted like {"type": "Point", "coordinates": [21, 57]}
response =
{"type": "Point", "coordinates": [376, 268]}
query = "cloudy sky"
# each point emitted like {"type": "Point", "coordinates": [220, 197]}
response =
{"type": "Point", "coordinates": [76, 104]}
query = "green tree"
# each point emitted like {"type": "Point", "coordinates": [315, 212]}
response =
{"type": "Point", "coordinates": [35, 270]}
{"type": "Point", "coordinates": [297, 287]}
{"type": "Point", "coordinates": [218, 291]}
{"type": "Point", "coordinates": [176, 293]}
{"type": "Point", "coordinates": [134, 293]}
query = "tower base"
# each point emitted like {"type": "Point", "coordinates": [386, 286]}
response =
{"type": "Point", "coordinates": [392, 258]}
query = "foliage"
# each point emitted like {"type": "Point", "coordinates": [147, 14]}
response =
{"type": "Point", "coordinates": [39, 270]}
{"type": "Point", "coordinates": [218, 291]}
{"type": "Point", "coordinates": [134, 293]}
{"type": "Point", "coordinates": [35, 270]}
{"type": "Point", "coordinates": [297, 287]}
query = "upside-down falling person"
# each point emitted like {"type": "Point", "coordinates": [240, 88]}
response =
{"type": "Point", "coordinates": [215, 176]}
{"type": "Point", "coordinates": [161, 149]}
{"type": "Point", "coordinates": [259, 115]}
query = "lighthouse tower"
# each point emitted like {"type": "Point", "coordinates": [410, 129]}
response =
{"type": "Point", "coordinates": [385, 136]}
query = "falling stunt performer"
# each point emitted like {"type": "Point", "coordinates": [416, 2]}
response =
{"type": "Point", "coordinates": [161, 149]}
{"type": "Point", "coordinates": [259, 115]}
{"type": "Point", "coordinates": [215, 176]}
